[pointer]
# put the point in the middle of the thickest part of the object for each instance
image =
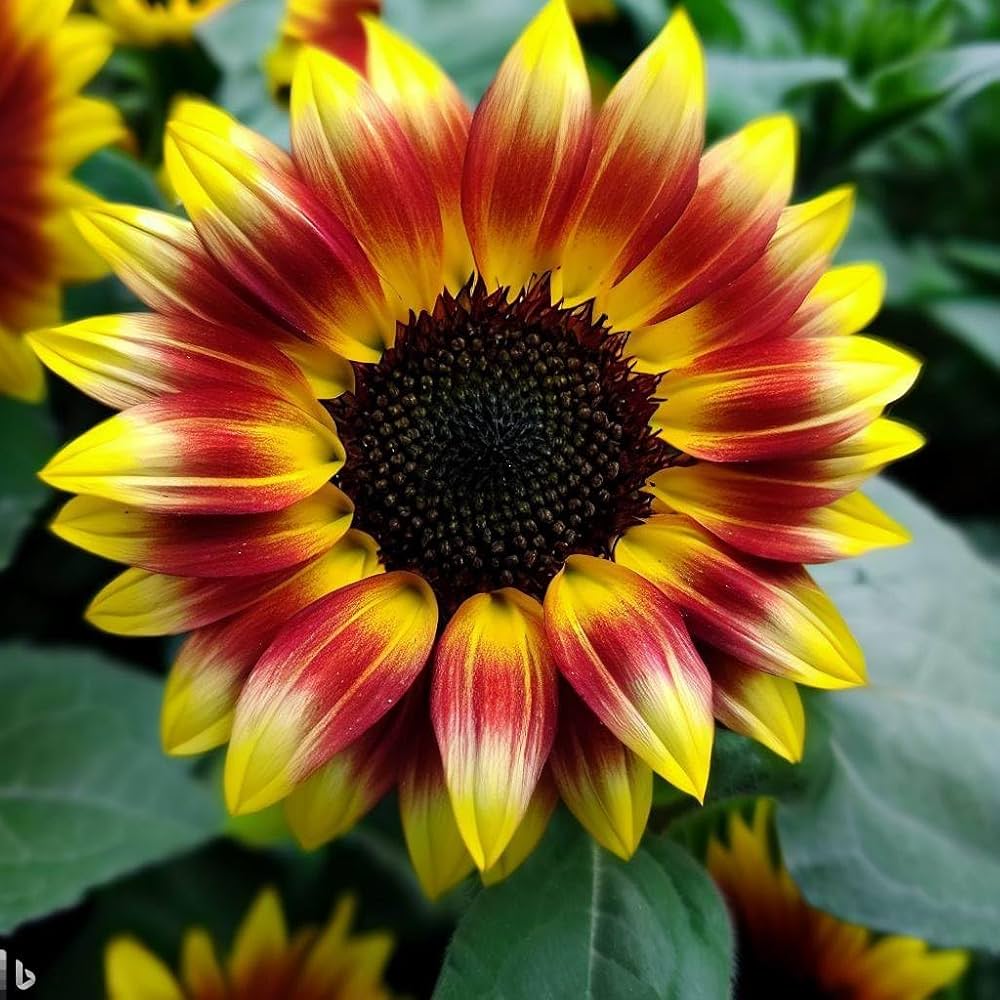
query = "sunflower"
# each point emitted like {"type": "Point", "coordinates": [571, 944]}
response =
{"type": "Point", "coordinates": [787, 948]}
{"type": "Point", "coordinates": [151, 23]}
{"type": "Point", "coordinates": [46, 129]}
{"type": "Point", "coordinates": [332, 25]}
{"type": "Point", "coordinates": [591, 401]}
{"type": "Point", "coordinates": [265, 964]}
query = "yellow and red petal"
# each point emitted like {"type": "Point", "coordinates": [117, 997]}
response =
{"type": "Point", "coordinates": [352, 150]}
{"type": "Point", "coordinates": [743, 184]}
{"type": "Point", "coordinates": [260, 957]}
{"type": "Point", "coordinates": [206, 678]}
{"type": "Point", "coordinates": [133, 972]}
{"type": "Point", "coordinates": [432, 113]}
{"type": "Point", "coordinates": [843, 301]}
{"type": "Point", "coordinates": [277, 239]}
{"type": "Point", "coordinates": [605, 785]}
{"type": "Point", "coordinates": [201, 972]}
{"type": "Point", "coordinates": [435, 845]}
{"type": "Point", "coordinates": [331, 800]}
{"type": "Point", "coordinates": [626, 652]}
{"type": "Point", "coordinates": [133, 358]}
{"type": "Point", "coordinates": [529, 832]}
{"type": "Point", "coordinates": [527, 153]}
{"type": "Point", "coordinates": [329, 674]}
{"type": "Point", "coordinates": [755, 513]}
{"type": "Point", "coordinates": [768, 615]}
{"type": "Point", "coordinates": [162, 260]}
{"type": "Point", "coordinates": [763, 297]}
{"type": "Point", "coordinates": [493, 706]}
{"type": "Point", "coordinates": [643, 165]}
{"type": "Point", "coordinates": [780, 397]}
{"type": "Point", "coordinates": [207, 451]}
{"type": "Point", "coordinates": [137, 602]}
{"type": "Point", "coordinates": [760, 705]}
{"type": "Point", "coordinates": [220, 545]}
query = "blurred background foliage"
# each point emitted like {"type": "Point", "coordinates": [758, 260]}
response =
{"type": "Point", "coordinates": [900, 98]}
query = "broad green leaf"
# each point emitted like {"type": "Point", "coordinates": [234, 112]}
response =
{"type": "Point", "coordinates": [896, 821]}
{"type": "Point", "coordinates": [983, 258]}
{"type": "Point", "coordinates": [976, 321]}
{"type": "Point", "coordinates": [27, 439]}
{"type": "Point", "coordinates": [86, 794]}
{"type": "Point", "coordinates": [575, 923]}
{"type": "Point", "coordinates": [741, 87]}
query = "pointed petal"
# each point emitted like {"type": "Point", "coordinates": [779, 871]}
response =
{"type": "Point", "coordinates": [205, 680]}
{"type": "Point", "coordinates": [764, 296]}
{"type": "Point", "coordinates": [780, 398]}
{"type": "Point", "coordinates": [280, 242]}
{"type": "Point", "coordinates": [770, 616]}
{"type": "Point", "coordinates": [208, 451]}
{"type": "Point", "coordinates": [434, 116]}
{"type": "Point", "coordinates": [200, 970]}
{"type": "Point", "coordinates": [753, 513]}
{"type": "Point", "coordinates": [331, 800]}
{"type": "Point", "coordinates": [528, 148]}
{"type": "Point", "coordinates": [331, 672]}
{"type": "Point", "coordinates": [643, 165]}
{"type": "Point", "coordinates": [162, 260]}
{"type": "Point", "coordinates": [743, 184]}
{"type": "Point", "coordinates": [627, 654]}
{"type": "Point", "coordinates": [210, 546]}
{"type": "Point", "coordinates": [352, 150]}
{"type": "Point", "coordinates": [606, 786]}
{"type": "Point", "coordinates": [134, 358]}
{"type": "Point", "coordinates": [529, 832]}
{"type": "Point", "coordinates": [139, 603]}
{"type": "Point", "coordinates": [132, 972]}
{"type": "Point", "coordinates": [759, 705]}
{"type": "Point", "coordinates": [436, 848]}
{"type": "Point", "coordinates": [493, 705]}
{"type": "Point", "coordinates": [844, 301]}
{"type": "Point", "coordinates": [259, 948]}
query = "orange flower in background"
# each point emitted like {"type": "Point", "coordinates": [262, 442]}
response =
{"type": "Point", "coordinates": [315, 963]}
{"type": "Point", "coordinates": [46, 130]}
{"type": "Point", "coordinates": [787, 948]}
{"type": "Point", "coordinates": [592, 396]}
{"type": "Point", "coordinates": [151, 23]}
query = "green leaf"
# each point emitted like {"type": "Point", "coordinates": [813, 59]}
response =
{"type": "Point", "coordinates": [984, 258]}
{"type": "Point", "coordinates": [575, 923]}
{"type": "Point", "coordinates": [27, 439]}
{"type": "Point", "coordinates": [116, 176]}
{"type": "Point", "coordinates": [976, 321]}
{"type": "Point", "coordinates": [896, 822]}
{"type": "Point", "coordinates": [741, 87]}
{"type": "Point", "coordinates": [86, 795]}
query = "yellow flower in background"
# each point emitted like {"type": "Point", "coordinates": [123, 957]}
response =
{"type": "Point", "coordinates": [46, 130]}
{"type": "Point", "coordinates": [789, 949]}
{"type": "Point", "coordinates": [591, 398]}
{"type": "Point", "coordinates": [265, 963]}
{"type": "Point", "coordinates": [150, 23]}
{"type": "Point", "coordinates": [332, 25]}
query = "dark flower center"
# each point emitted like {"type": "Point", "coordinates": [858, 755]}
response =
{"type": "Point", "coordinates": [497, 437]}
